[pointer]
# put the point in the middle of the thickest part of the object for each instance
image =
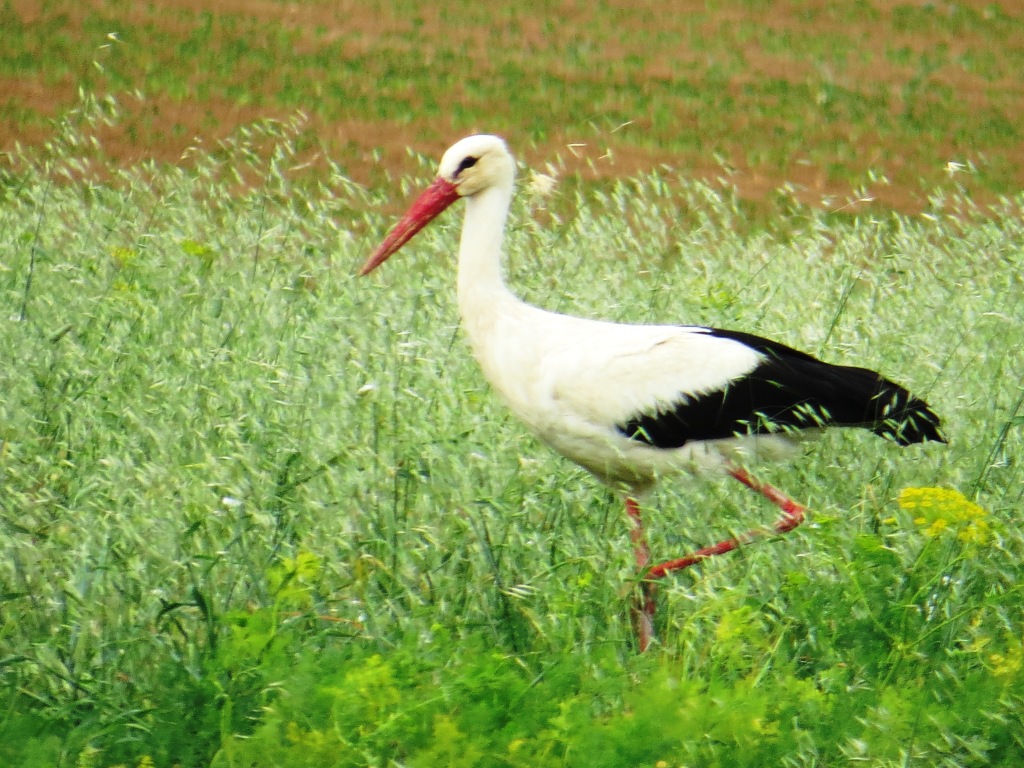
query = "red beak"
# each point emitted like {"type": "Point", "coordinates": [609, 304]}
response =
{"type": "Point", "coordinates": [428, 205]}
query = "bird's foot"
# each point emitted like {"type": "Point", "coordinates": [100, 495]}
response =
{"type": "Point", "coordinates": [792, 515]}
{"type": "Point", "coordinates": [642, 612]}
{"type": "Point", "coordinates": [645, 603]}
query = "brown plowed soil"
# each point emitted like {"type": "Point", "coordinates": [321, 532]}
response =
{"type": "Point", "coordinates": [811, 94]}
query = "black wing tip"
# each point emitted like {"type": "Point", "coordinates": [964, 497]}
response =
{"type": "Point", "coordinates": [917, 423]}
{"type": "Point", "coordinates": [905, 437]}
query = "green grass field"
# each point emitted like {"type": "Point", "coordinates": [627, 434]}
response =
{"type": "Point", "coordinates": [259, 512]}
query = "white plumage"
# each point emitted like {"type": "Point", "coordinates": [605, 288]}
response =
{"type": "Point", "coordinates": [574, 381]}
{"type": "Point", "coordinates": [632, 403]}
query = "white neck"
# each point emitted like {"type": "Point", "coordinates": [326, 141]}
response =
{"type": "Point", "coordinates": [481, 287]}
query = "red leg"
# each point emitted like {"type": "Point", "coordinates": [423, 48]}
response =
{"type": "Point", "coordinates": [792, 513]}
{"type": "Point", "coordinates": [792, 516]}
{"type": "Point", "coordinates": [644, 604]}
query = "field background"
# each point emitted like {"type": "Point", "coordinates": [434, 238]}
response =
{"type": "Point", "coordinates": [258, 512]}
{"type": "Point", "coordinates": [831, 97]}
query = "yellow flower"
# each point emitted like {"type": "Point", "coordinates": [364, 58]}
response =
{"type": "Point", "coordinates": [1008, 665]}
{"type": "Point", "coordinates": [938, 510]}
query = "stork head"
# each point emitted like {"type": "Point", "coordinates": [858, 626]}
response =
{"type": "Point", "coordinates": [471, 165]}
{"type": "Point", "coordinates": [475, 163]}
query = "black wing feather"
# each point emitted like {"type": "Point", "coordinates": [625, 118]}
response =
{"type": "Point", "coordinates": [789, 390]}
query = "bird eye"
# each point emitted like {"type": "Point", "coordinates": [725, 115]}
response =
{"type": "Point", "coordinates": [467, 162]}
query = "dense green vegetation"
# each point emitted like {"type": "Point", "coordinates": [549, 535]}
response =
{"type": "Point", "coordinates": [256, 511]}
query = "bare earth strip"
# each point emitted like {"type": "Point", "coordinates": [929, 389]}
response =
{"type": "Point", "coordinates": [880, 97]}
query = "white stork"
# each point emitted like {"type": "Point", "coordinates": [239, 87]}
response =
{"type": "Point", "coordinates": [632, 403]}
